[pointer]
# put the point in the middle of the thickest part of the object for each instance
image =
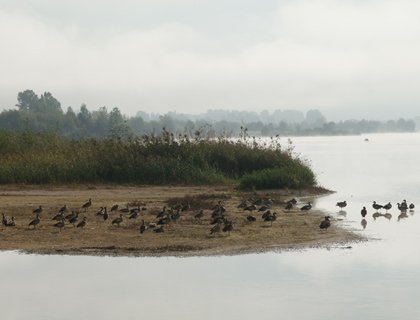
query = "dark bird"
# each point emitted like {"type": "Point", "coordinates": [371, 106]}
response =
{"type": "Point", "coordinates": [251, 218]}
{"type": "Point", "coordinates": [159, 230]}
{"type": "Point", "coordinates": [306, 207]}
{"type": "Point", "coordinates": [215, 229]}
{"type": "Point", "coordinates": [164, 221]}
{"type": "Point", "coordinates": [143, 228]}
{"type": "Point", "coordinates": [266, 214]}
{"type": "Point", "coordinates": [59, 217]}
{"type": "Point", "coordinates": [264, 207]}
{"type": "Point", "coordinates": [82, 223]}
{"type": "Point", "coordinates": [71, 215]}
{"type": "Point", "coordinates": [342, 204]}
{"type": "Point", "coordinates": [271, 218]}
{"type": "Point", "coordinates": [162, 213]}
{"type": "Point", "coordinates": [243, 204]}
{"type": "Point", "coordinates": [106, 215]}
{"type": "Point", "coordinates": [176, 216]}
{"type": "Point", "coordinates": [134, 215]}
{"type": "Point", "coordinates": [35, 222]}
{"type": "Point", "coordinates": [293, 201]}
{"type": "Point", "coordinates": [135, 210]}
{"type": "Point", "coordinates": [289, 206]}
{"type": "Point", "coordinates": [387, 206]}
{"type": "Point", "coordinates": [4, 221]}
{"type": "Point", "coordinates": [118, 220]}
{"type": "Point", "coordinates": [60, 225]}
{"type": "Point", "coordinates": [63, 209]}
{"type": "Point", "coordinates": [11, 223]}
{"type": "Point", "coordinates": [87, 204]}
{"type": "Point", "coordinates": [376, 206]}
{"type": "Point", "coordinates": [258, 202]}
{"type": "Point", "coordinates": [228, 227]}
{"type": "Point", "coordinates": [39, 210]}
{"type": "Point", "coordinates": [100, 212]}
{"type": "Point", "coordinates": [74, 219]}
{"type": "Point", "coordinates": [199, 215]}
{"type": "Point", "coordinates": [250, 208]}
{"type": "Point", "coordinates": [404, 205]}
{"type": "Point", "coordinates": [186, 207]}
{"type": "Point", "coordinates": [363, 212]}
{"type": "Point", "coordinates": [412, 206]}
{"type": "Point", "coordinates": [325, 224]}
{"type": "Point", "coordinates": [125, 210]}
{"type": "Point", "coordinates": [221, 219]}
{"type": "Point", "coordinates": [114, 208]}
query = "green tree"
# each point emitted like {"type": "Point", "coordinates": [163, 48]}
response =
{"type": "Point", "coordinates": [27, 101]}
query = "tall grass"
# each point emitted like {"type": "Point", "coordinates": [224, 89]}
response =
{"type": "Point", "coordinates": [157, 159]}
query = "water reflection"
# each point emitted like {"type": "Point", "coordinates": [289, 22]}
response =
{"type": "Point", "coordinates": [363, 223]}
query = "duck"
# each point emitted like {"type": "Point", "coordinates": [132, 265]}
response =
{"type": "Point", "coordinates": [164, 221]}
{"type": "Point", "coordinates": [59, 216]}
{"type": "Point", "coordinates": [387, 206]}
{"type": "Point", "coordinates": [74, 219]}
{"type": "Point", "coordinates": [35, 222]}
{"type": "Point", "coordinates": [266, 214]}
{"type": "Point", "coordinates": [289, 206]}
{"type": "Point", "coordinates": [87, 204]}
{"type": "Point", "coordinates": [100, 212]}
{"type": "Point", "coordinates": [228, 227]}
{"type": "Point", "coordinates": [325, 224]}
{"type": "Point", "coordinates": [159, 230]}
{"type": "Point", "coordinates": [215, 229]}
{"type": "Point", "coordinates": [82, 223]}
{"type": "Point", "coordinates": [264, 207]}
{"type": "Point", "coordinates": [39, 210]}
{"type": "Point", "coordinates": [293, 201]}
{"type": "Point", "coordinates": [186, 207]}
{"type": "Point", "coordinates": [118, 220]}
{"type": "Point", "coordinates": [363, 212]}
{"type": "Point", "coordinates": [162, 213]}
{"type": "Point", "coordinates": [114, 208]}
{"type": "Point", "coordinates": [271, 218]}
{"type": "Point", "coordinates": [306, 207]}
{"type": "Point", "coordinates": [243, 204]}
{"type": "Point", "coordinates": [342, 204]}
{"type": "Point", "coordinates": [60, 225]}
{"type": "Point", "coordinates": [376, 206]}
{"type": "Point", "coordinates": [251, 218]}
{"type": "Point", "coordinates": [4, 221]}
{"type": "Point", "coordinates": [63, 209]}
{"type": "Point", "coordinates": [258, 202]}
{"type": "Point", "coordinates": [143, 227]}
{"type": "Point", "coordinates": [250, 208]}
{"type": "Point", "coordinates": [135, 210]}
{"type": "Point", "coordinates": [199, 215]}
{"type": "Point", "coordinates": [106, 215]}
{"type": "Point", "coordinates": [134, 215]}
{"type": "Point", "coordinates": [125, 210]}
{"type": "Point", "coordinates": [411, 206]}
{"type": "Point", "coordinates": [71, 215]}
{"type": "Point", "coordinates": [11, 223]}
{"type": "Point", "coordinates": [176, 216]}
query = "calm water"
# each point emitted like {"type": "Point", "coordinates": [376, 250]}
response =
{"type": "Point", "coordinates": [375, 280]}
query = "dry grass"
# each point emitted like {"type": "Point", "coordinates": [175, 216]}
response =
{"type": "Point", "coordinates": [183, 237]}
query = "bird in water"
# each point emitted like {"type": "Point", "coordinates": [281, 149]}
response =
{"type": "Point", "coordinates": [87, 204]}
{"type": "Point", "coordinates": [376, 206]}
{"type": "Point", "coordinates": [412, 206]}
{"type": "Point", "coordinates": [39, 210]}
{"type": "Point", "coordinates": [271, 218]}
{"type": "Point", "coordinates": [35, 222]}
{"type": "Point", "coordinates": [199, 215]}
{"type": "Point", "coordinates": [387, 206]}
{"type": "Point", "coordinates": [363, 212]}
{"type": "Point", "coordinates": [306, 207]}
{"type": "Point", "coordinates": [342, 204]}
{"type": "Point", "coordinates": [60, 225]}
{"type": "Point", "coordinates": [143, 228]}
{"type": "Point", "coordinates": [118, 220]}
{"type": "Point", "coordinates": [325, 224]}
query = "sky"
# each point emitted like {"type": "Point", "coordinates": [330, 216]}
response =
{"type": "Point", "coordinates": [350, 59]}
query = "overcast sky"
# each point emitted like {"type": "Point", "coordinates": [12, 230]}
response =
{"type": "Point", "coordinates": [349, 59]}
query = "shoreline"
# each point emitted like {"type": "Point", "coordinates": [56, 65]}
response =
{"type": "Point", "coordinates": [186, 237]}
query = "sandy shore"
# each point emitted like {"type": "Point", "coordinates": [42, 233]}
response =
{"type": "Point", "coordinates": [184, 237]}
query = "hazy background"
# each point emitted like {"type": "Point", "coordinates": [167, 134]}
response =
{"type": "Point", "coordinates": [349, 59]}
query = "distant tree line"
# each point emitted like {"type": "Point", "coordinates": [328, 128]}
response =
{"type": "Point", "coordinates": [41, 113]}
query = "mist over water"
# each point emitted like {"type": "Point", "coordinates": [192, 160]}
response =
{"type": "Point", "coordinates": [378, 279]}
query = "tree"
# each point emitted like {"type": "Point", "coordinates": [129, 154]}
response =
{"type": "Point", "coordinates": [27, 101]}
{"type": "Point", "coordinates": [47, 104]}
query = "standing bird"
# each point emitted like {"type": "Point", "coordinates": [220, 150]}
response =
{"type": "Point", "coordinates": [325, 224]}
{"type": "Point", "coordinates": [114, 208]}
{"type": "Point", "coordinates": [134, 215]}
{"type": "Point", "coordinates": [162, 213]}
{"type": "Point", "coordinates": [39, 210]}
{"type": "Point", "coordinates": [35, 222]}
{"type": "Point", "coordinates": [243, 204]}
{"type": "Point", "coordinates": [271, 218]}
{"type": "Point", "coordinates": [289, 206]}
{"type": "Point", "coordinates": [412, 206]}
{"type": "Point", "coordinates": [106, 215]}
{"type": "Point", "coordinates": [199, 215]}
{"type": "Point", "coordinates": [71, 215]}
{"type": "Point", "coordinates": [250, 208]}
{"type": "Point", "coordinates": [87, 204]}
{"type": "Point", "coordinates": [60, 225]}
{"type": "Point", "coordinates": [142, 227]}
{"type": "Point", "coordinates": [59, 217]}
{"type": "Point", "coordinates": [125, 210]}
{"type": "Point", "coordinates": [376, 206]}
{"type": "Point", "coordinates": [4, 221]}
{"type": "Point", "coordinates": [74, 219]}
{"type": "Point", "coordinates": [342, 204]}
{"type": "Point", "coordinates": [186, 207]}
{"type": "Point", "coordinates": [215, 229]}
{"type": "Point", "coordinates": [63, 209]}
{"type": "Point", "coordinates": [100, 212]}
{"type": "Point", "coordinates": [118, 220]}
{"type": "Point", "coordinates": [266, 214]}
{"type": "Point", "coordinates": [306, 207]}
{"type": "Point", "coordinates": [387, 206]}
{"type": "Point", "coordinates": [363, 212]}
{"type": "Point", "coordinates": [82, 223]}
{"type": "Point", "coordinates": [258, 202]}
{"type": "Point", "coordinates": [228, 227]}
{"type": "Point", "coordinates": [293, 201]}
{"type": "Point", "coordinates": [176, 215]}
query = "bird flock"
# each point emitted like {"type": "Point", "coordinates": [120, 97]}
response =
{"type": "Point", "coordinates": [219, 220]}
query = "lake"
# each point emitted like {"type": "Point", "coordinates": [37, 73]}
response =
{"type": "Point", "coordinates": [378, 279]}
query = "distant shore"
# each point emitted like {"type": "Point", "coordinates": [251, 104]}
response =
{"type": "Point", "coordinates": [183, 237]}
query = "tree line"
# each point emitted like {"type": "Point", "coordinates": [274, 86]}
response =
{"type": "Point", "coordinates": [42, 113]}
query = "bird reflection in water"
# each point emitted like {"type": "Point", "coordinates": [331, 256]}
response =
{"type": "Point", "coordinates": [342, 213]}
{"type": "Point", "coordinates": [376, 215]}
{"type": "Point", "coordinates": [388, 216]}
{"type": "Point", "coordinates": [402, 215]}
{"type": "Point", "coordinates": [363, 223]}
